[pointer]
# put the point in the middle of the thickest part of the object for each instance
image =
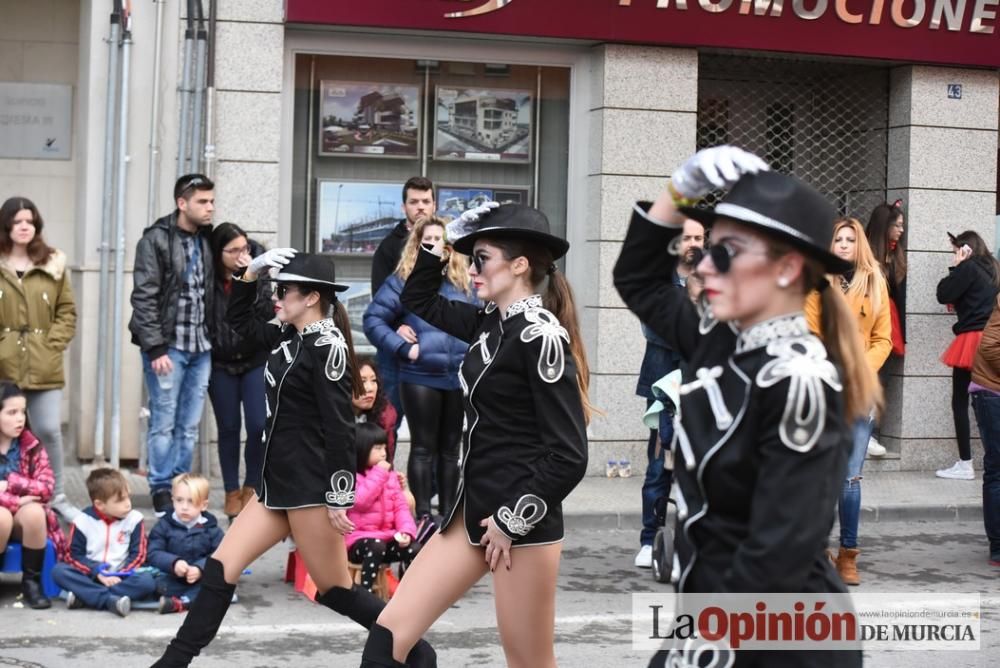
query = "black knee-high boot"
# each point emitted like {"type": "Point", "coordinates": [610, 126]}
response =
{"type": "Point", "coordinates": [363, 607]}
{"type": "Point", "coordinates": [203, 619]}
{"type": "Point", "coordinates": [31, 578]}
{"type": "Point", "coordinates": [378, 650]}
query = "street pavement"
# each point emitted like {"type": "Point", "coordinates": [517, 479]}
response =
{"type": "Point", "coordinates": [273, 625]}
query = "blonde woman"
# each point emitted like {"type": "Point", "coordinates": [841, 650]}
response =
{"type": "Point", "coordinates": [429, 360]}
{"type": "Point", "coordinates": [867, 294]}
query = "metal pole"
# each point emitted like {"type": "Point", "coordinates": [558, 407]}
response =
{"type": "Point", "coordinates": [201, 47]}
{"type": "Point", "coordinates": [154, 117]}
{"type": "Point", "coordinates": [210, 93]}
{"type": "Point", "coordinates": [184, 103]}
{"type": "Point", "coordinates": [309, 161]}
{"type": "Point", "coordinates": [104, 248]}
{"type": "Point", "coordinates": [116, 346]}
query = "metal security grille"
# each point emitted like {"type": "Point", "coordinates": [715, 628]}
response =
{"type": "Point", "coordinates": [826, 123]}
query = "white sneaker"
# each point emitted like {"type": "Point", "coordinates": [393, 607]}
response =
{"type": "Point", "coordinates": [644, 558]}
{"type": "Point", "coordinates": [875, 449]}
{"type": "Point", "coordinates": [961, 470]}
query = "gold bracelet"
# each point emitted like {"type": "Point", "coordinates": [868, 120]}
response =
{"type": "Point", "coordinates": [679, 199]}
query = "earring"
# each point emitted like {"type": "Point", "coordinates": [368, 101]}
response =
{"type": "Point", "coordinates": [782, 282]}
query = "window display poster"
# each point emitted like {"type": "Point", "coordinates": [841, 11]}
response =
{"type": "Point", "coordinates": [483, 124]}
{"type": "Point", "coordinates": [354, 217]}
{"type": "Point", "coordinates": [377, 120]}
{"type": "Point", "coordinates": [453, 201]}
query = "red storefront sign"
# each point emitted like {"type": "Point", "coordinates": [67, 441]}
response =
{"type": "Point", "coordinates": [958, 32]}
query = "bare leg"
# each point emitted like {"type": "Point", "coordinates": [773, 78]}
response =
{"type": "Point", "coordinates": [322, 548]}
{"type": "Point", "coordinates": [254, 531]}
{"type": "Point", "coordinates": [6, 525]}
{"type": "Point", "coordinates": [443, 571]}
{"type": "Point", "coordinates": [526, 606]}
{"type": "Point", "coordinates": [29, 525]}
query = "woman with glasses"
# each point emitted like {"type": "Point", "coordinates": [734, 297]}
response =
{"type": "Point", "coordinates": [867, 295]}
{"type": "Point", "coordinates": [307, 482]}
{"type": "Point", "coordinates": [429, 359]}
{"type": "Point", "coordinates": [763, 430]}
{"type": "Point", "coordinates": [525, 381]}
{"type": "Point", "coordinates": [237, 378]}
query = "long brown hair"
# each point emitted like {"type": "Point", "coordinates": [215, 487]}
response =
{"type": "Point", "coordinates": [39, 252]}
{"type": "Point", "coordinates": [457, 271]}
{"type": "Point", "coordinates": [893, 260]}
{"type": "Point", "coordinates": [558, 298]}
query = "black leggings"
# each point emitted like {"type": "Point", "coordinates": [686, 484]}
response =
{"type": "Point", "coordinates": [371, 553]}
{"type": "Point", "coordinates": [435, 420]}
{"type": "Point", "coordinates": [960, 379]}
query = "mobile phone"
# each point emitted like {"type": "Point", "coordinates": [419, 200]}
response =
{"type": "Point", "coordinates": [966, 250]}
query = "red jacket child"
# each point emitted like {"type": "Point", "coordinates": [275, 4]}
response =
{"type": "Point", "coordinates": [380, 508]}
{"type": "Point", "coordinates": [35, 478]}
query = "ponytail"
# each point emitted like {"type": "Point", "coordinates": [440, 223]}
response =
{"type": "Point", "coordinates": [342, 322]}
{"type": "Point", "coordinates": [558, 298]}
{"type": "Point", "coordinates": [839, 331]}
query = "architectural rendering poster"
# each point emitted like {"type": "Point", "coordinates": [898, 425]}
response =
{"type": "Point", "coordinates": [369, 119]}
{"type": "Point", "coordinates": [483, 124]}
{"type": "Point", "coordinates": [353, 217]}
{"type": "Point", "coordinates": [453, 201]}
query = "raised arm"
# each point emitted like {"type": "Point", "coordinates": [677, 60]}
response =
{"type": "Point", "coordinates": [248, 321]}
{"type": "Point", "coordinates": [420, 296]}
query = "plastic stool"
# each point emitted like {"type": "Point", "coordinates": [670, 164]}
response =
{"type": "Point", "coordinates": [381, 585]}
{"type": "Point", "coordinates": [12, 564]}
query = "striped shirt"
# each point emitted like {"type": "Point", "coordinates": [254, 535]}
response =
{"type": "Point", "coordinates": [192, 331]}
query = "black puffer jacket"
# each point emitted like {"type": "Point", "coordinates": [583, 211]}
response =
{"type": "Point", "coordinates": [971, 289]}
{"type": "Point", "coordinates": [160, 262]}
{"type": "Point", "coordinates": [230, 351]}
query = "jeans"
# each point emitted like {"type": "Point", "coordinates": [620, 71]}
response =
{"type": "Point", "coordinates": [849, 507]}
{"type": "Point", "coordinates": [44, 408]}
{"type": "Point", "coordinates": [658, 479]}
{"type": "Point", "coordinates": [95, 595]}
{"type": "Point", "coordinates": [987, 408]}
{"type": "Point", "coordinates": [227, 393]}
{"type": "Point", "coordinates": [175, 404]}
{"type": "Point", "coordinates": [388, 373]}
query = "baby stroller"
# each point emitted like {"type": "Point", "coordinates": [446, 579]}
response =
{"type": "Point", "coordinates": [666, 392]}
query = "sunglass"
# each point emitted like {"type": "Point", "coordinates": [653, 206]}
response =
{"type": "Point", "coordinates": [476, 260]}
{"type": "Point", "coordinates": [722, 255]}
{"type": "Point", "coordinates": [281, 289]}
{"type": "Point", "coordinates": [193, 182]}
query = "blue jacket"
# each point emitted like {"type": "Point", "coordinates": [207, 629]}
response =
{"type": "Point", "coordinates": [659, 359]}
{"type": "Point", "coordinates": [170, 540]}
{"type": "Point", "coordinates": [440, 353]}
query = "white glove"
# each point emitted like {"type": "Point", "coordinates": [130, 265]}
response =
{"type": "Point", "coordinates": [276, 258]}
{"type": "Point", "coordinates": [714, 168]}
{"type": "Point", "coordinates": [465, 224]}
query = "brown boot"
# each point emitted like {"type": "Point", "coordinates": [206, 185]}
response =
{"type": "Point", "coordinates": [246, 494]}
{"type": "Point", "coordinates": [233, 505]}
{"type": "Point", "coordinates": [847, 565]}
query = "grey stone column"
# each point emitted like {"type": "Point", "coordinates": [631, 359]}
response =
{"type": "Point", "coordinates": [642, 124]}
{"type": "Point", "coordinates": [943, 164]}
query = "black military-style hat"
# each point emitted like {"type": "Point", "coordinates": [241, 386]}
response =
{"type": "Point", "coordinates": [783, 207]}
{"type": "Point", "coordinates": [310, 268]}
{"type": "Point", "coordinates": [508, 221]}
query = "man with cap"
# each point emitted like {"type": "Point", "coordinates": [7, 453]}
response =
{"type": "Point", "coordinates": [763, 429]}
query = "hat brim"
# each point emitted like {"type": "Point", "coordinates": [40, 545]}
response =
{"type": "Point", "coordinates": [298, 279]}
{"type": "Point", "coordinates": [557, 245]}
{"type": "Point", "coordinates": [831, 263]}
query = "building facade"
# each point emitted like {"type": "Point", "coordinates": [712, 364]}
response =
{"type": "Point", "coordinates": [322, 109]}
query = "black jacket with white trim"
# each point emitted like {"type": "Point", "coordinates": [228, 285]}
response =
{"type": "Point", "coordinates": [762, 443]}
{"type": "Point", "coordinates": [526, 444]}
{"type": "Point", "coordinates": [309, 457]}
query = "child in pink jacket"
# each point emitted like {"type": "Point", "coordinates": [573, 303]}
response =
{"type": "Point", "coordinates": [384, 529]}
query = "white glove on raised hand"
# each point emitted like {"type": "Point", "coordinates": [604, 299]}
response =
{"type": "Point", "coordinates": [466, 223]}
{"type": "Point", "coordinates": [713, 169]}
{"type": "Point", "coordinates": [276, 258]}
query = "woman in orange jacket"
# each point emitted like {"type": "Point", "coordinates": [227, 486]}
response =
{"type": "Point", "coordinates": [868, 296]}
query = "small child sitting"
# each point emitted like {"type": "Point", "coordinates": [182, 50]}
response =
{"type": "Point", "coordinates": [107, 547]}
{"type": "Point", "coordinates": [180, 543]}
{"type": "Point", "coordinates": [384, 530]}
{"type": "Point", "coordinates": [26, 482]}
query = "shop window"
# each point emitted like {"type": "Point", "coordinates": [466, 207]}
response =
{"type": "Point", "coordinates": [363, 126]}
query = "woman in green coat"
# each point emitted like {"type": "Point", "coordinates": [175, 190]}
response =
{"type": "Point", "coordinates": [37, 322]}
